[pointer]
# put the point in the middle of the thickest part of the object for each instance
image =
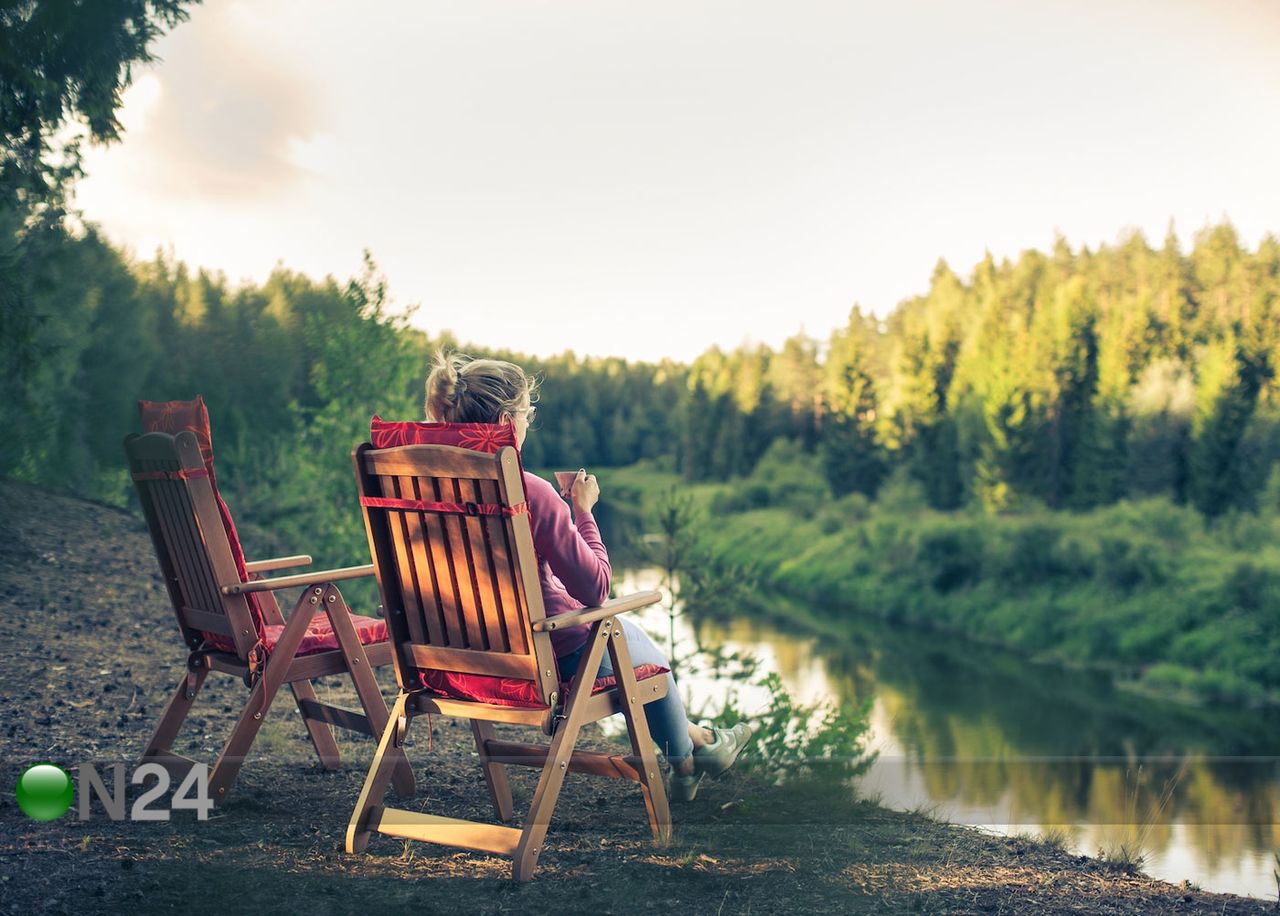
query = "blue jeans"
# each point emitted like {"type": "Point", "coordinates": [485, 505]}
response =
{"type": "Point", "coordinates": [668, 723]}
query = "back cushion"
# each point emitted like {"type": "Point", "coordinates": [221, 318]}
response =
{"type": "Point", "coordinates": [175, 417]}
{"type": "Point", "coordinates": [479, 437]}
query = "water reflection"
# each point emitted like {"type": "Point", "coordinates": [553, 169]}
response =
{"type": "Point", "coordinates": [981, 737]}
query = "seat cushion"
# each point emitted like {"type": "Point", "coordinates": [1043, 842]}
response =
{"type": "Point", "coordinates": [511, 691]}
{"type": "Point", "coordinates": [175, 417]}
{"type": "Point", "coordinates": [320, 636]}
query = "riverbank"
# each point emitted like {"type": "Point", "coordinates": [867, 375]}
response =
{"type": "Point", "coordinates": [1141, 590]}
{"type": "Point", "coordinates": [93, 653]}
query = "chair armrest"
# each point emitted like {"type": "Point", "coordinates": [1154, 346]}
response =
{"type": "Point", "coordinates": [610, 608]}
{"type": "Point", "coordinates": [258, 566]}
{"type": "Point", "coordinates": [318, 577]}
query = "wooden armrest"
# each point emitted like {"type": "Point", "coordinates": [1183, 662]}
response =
{"type": "Point", "coordinates": [610, 608]}
{"type": "Point", "coordinates": [258, 566]}
{"type": "Point", "coordinates": [319, 577]}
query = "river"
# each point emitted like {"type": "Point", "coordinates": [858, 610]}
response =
{"type": "Point", "coordinates": [978, 736]}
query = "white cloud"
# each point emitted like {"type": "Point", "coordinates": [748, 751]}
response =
{"type": "Point", "coordinates": [683, 172]}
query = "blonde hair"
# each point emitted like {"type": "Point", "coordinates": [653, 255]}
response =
{"type": "Point", "coordinates": [461, 389]}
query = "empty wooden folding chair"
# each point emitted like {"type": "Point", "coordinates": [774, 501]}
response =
{"type": "Point", "coordinates": [229, 618]}
{"type": "Point", "coordinates": [451, 542]}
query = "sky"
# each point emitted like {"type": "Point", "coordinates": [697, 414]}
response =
{"type": "Point", "coordinates": [649, 179]}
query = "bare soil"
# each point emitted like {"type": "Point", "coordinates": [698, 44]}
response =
{"type": "Point", "coordinates": [91, 652]}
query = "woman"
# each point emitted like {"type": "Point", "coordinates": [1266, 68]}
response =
{"type": "Point", "coordinates": [573, 565]}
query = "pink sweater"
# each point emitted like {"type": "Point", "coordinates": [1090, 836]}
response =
{"type": "Point", "coordinates": [573, 566]}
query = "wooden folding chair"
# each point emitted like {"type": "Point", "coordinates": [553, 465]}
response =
{"type": "Point", "coordinates": [234, 625]}
{"type": "Point", "coordinates": [453, 551]}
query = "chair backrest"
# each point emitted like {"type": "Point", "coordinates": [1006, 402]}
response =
{"type": "Point", "coordinates": [451, 542]}
{"type": "Point", "coordinates": [192, 416]}
{"type": "Point", "coordinates": [180, 505]}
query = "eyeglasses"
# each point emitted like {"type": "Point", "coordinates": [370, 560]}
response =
{"type": "Point", "coordinates": [529, 414]}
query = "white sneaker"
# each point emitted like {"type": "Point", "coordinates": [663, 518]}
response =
{"type": "Point", "coordinates": [714, 758]}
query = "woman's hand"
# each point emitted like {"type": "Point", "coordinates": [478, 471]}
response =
{"type": "Point", "coordinates": [585, 491]}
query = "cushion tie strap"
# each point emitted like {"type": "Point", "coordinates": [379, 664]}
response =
{"type": "Point", "coordinates": [182, 474]}
{"type": "Point", "coordinates": [467, 508]}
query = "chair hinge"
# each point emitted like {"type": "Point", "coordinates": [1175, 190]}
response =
{"type": "Point", "coordinates": [195, 661]}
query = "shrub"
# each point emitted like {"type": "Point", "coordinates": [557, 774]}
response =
{"type": "Point", "coordinates": [785, 477]}
{"type": "Point", "coordinates": [950, 557]}
{"type": "Point", "coordinates": [795, 741]}
{"type": "Point", "coordinates": [1128, 563]}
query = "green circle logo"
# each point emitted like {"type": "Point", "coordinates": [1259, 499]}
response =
{"type": "Point", "coordinates": [45, 792]}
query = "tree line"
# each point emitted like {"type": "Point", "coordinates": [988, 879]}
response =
{"type": "Point", "coordinates": [1073, 378]}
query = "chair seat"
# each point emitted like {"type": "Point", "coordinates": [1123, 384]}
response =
{"type": "Point", "coordinates": [320, 636]}
{"type": "Point", "coordinates": [511, 691]}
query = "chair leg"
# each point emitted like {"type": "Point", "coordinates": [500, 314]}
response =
{"type": "Point", "coordinates": [385, 762]}
{"type": "Point", "coordinates": [229, 762]}
{"type": "Point", "coordinates": [495, 774]}
{"type": "Point", "coordinates": [544, 801]}
{"type": "Point", "coordinates": [320, 733]}
{"type": "Point", "coordinates": [261, 696]}
{"type": "Point", "coordinates": [558, 754]}
{"type": "Point", "coordinates": [655, 793]}
{"type": "Point", "coordinates": [175, 713]}
{"type": "Point", "coordinates": [362, 677]}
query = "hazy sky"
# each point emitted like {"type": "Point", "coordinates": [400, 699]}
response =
{"type": "Point", "coordinates": [646, 179]}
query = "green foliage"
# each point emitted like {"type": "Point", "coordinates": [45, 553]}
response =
{"type": "Point", "coordinates": [61, 62]}
{"type": "Point", "coordinates": [1143, 588]}
{"type": "Point", "coordinates": [786, 476]}
{"type": "Point", "coordinates": [66, 61]}
{"type": "Point", "coordinates": [794, 741]}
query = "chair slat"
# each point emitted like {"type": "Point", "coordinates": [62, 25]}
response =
{"type": "Point", "coordinates": [163, 536]}
{"type": "Point", "coordinates": [446, 587]}
{"type": "Point", "coordinates": [463, 568]}
{"type": "Point", "coordinates": [194, 540]}
{"type": "Point", "coordinates": [482, 567]}
{"type": "Point", "coordinates": [524, 559]}
{"type": "Point", "coordinates": [509, 609]}
{"type": "Point", "coordinates": [444, 461]}
{"type": "Point", "coordinates": [402, 536]}
{"type": "Point", "coordinates": [429, 582]}
{"type": "Point", "coordinates": [193, 543]}
{"type": "Point", "coordinates": [193, 580]}
{"type": "Point", "coordinates": [475, 661]}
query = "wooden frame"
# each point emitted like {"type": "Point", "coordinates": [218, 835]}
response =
{"type": "Point", "coordinates": [207, 595]}
{"type": "Point", "coordinates": [461, 593]}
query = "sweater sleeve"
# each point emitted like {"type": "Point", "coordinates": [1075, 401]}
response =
{"type": "Point", "coordinates": [571, 546]}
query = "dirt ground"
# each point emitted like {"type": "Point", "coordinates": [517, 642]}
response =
{"type": "Point", "coordinates": [91, 652]}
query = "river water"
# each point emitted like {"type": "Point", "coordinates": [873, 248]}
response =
{"type": "Point", "coordinates": [974, 735]}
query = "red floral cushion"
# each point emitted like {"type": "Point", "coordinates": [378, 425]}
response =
{"type": "Point", "coordinates": [510, 691]}
{"type": "Point", "coordinates": [175, 417]}
{"type": "Point", "coordinates": [479, 437]}
{"type": "Point", "coordinates": [320, 636]}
